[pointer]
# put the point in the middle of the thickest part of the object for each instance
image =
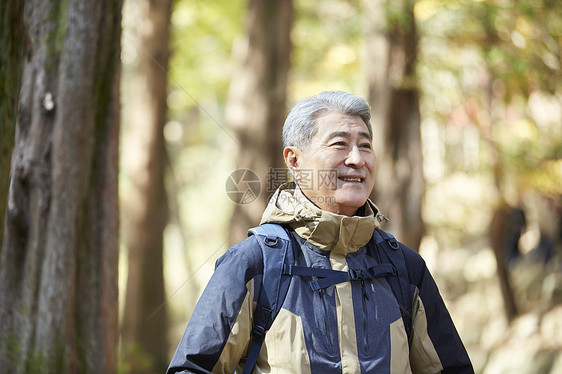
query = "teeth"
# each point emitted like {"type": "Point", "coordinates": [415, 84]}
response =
{"type": "Point", "coordinates": [347, 179]}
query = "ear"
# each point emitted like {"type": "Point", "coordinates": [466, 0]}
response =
{"type": "Point", "coordinates": [292, 155]}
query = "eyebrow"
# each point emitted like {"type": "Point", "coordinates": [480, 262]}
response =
{"type": "Point", "coordinates": [346, 134]}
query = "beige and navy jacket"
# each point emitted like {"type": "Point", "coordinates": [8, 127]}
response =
{"type": "Point", "coordinates": [351, 327]}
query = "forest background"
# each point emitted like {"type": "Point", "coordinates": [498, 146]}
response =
{"type": "Point", "coordinates": [129, 131]}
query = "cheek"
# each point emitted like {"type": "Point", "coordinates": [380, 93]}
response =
{"type": "Point", "coordinates": [329, 160]}
{"type": "Point", "coordinates": [371, 163]}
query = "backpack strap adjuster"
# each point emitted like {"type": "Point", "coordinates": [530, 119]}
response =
{"type": "Point", "coordinates": [258, 333]}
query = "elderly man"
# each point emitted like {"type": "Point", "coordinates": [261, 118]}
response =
{"type": "Point", "coordinates": [351, 322]}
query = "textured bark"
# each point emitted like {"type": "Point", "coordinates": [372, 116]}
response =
{"type": "Point", "coordinates": [58, 270]}
{"type": "Point", "coordinates": [391, 50]}
{"type": "Point", "coordinates": [257, 101]}
{"type": "Point", "coordinates": [13, 44]}
{"type": "Point", "coordinates": [145, 323]}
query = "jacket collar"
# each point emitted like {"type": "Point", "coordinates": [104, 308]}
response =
{"type": "Point", "coordinates": [326, 230]}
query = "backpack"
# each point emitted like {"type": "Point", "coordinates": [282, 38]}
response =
{"type": "Point", "coordinates": [278, 262]}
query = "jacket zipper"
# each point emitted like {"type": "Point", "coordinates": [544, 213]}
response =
{"type": "Point", "coordinates": [364, 300]}
{"type": "Point", "coordinates": [325, 312]}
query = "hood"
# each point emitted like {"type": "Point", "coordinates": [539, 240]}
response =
{"type": "Point", "coordinates": [325, 230]}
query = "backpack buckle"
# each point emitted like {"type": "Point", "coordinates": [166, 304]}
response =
{"type": "Point", "coordinates": [355, 274]}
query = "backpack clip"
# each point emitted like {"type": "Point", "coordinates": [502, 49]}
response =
{"type": "Point", "coordinates": [355, 274]}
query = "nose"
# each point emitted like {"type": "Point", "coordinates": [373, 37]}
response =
{"type": "Point", "coordinates": [354, 158]}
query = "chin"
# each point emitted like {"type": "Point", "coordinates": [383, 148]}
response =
{"type": "Point", "coordinates": [352, 201]}
{"type": "Point", "coordinates": [351, 205]}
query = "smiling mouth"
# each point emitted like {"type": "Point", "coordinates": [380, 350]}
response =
{"type": "Point", "coordinates": [351, 179]}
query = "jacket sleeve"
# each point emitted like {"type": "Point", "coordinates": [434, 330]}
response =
{"type": "Point", "coordinates": [217, 336]}
{"type": "Point", "coordinates": [436, 346]}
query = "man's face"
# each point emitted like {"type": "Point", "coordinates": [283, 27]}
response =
{"type": "Point", "coordinates": [336, 171]}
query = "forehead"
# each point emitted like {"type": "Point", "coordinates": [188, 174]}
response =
{"type": "Point", "coordinates": [330, 123]}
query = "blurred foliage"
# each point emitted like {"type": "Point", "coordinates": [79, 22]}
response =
{"type": "Point", "coordinates": [490, 75]}
{"type": "Point", "coordinates": [202, 39]}
{"type": "Point", "coordinates": [134, 360]}
{"type": "Point", "coordinates": [203, 34]}
{"type": "Point", "coordinates": [327, 49]}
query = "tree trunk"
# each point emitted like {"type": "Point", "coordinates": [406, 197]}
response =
{"type": "Point", "coordinates": [391, 43]}
{"type": "Point", "coordinates": [499, 226]}
{"type": "Point", "coordinates": [58, 270]}
{"type": "Point", "coordinates": [145, 322]}
{"type": "Point", "coordinates": [13, 44]}
{"type": "Point", "coordinates": [257, 103]}
{"type": "Point", "coordinates": [505, 230]}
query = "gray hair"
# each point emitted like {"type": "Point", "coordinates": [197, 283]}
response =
{"type": "Point", "coordinates": [300, 125]}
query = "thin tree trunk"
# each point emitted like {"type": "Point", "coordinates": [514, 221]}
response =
{"type": "Point", "coordinates": [391, 48]}
{"type": "Point", "coordinates": [145, 323]}
{"type": "Point", "coordinates": [257, 102]}
{"type": "Point", "coordinates": [13, 44]}
{"type": "Point", "coordinates": [499, 223]}
{"type": "Point", "coordinates": [58, 271]}
{"type": "Point", "coordinates": [502, 228]}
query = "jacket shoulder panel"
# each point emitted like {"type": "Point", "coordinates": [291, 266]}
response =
{"type": "Point", "coordinates": [415, 265]}
{"type": "Point", "coordinates": [207, 340]}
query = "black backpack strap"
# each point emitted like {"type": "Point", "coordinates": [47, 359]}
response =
{"type": "Point", "coordinates": [276, 249]}
{"type": "Point", "coordinates": [325, 278]}
{"type": "Point", "coordinates": [399, 284]}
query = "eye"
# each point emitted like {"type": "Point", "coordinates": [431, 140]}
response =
{"type": "Point", "coordinates": [339, 143]}
{"type": "Point", "coordinates": [366, 146]}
